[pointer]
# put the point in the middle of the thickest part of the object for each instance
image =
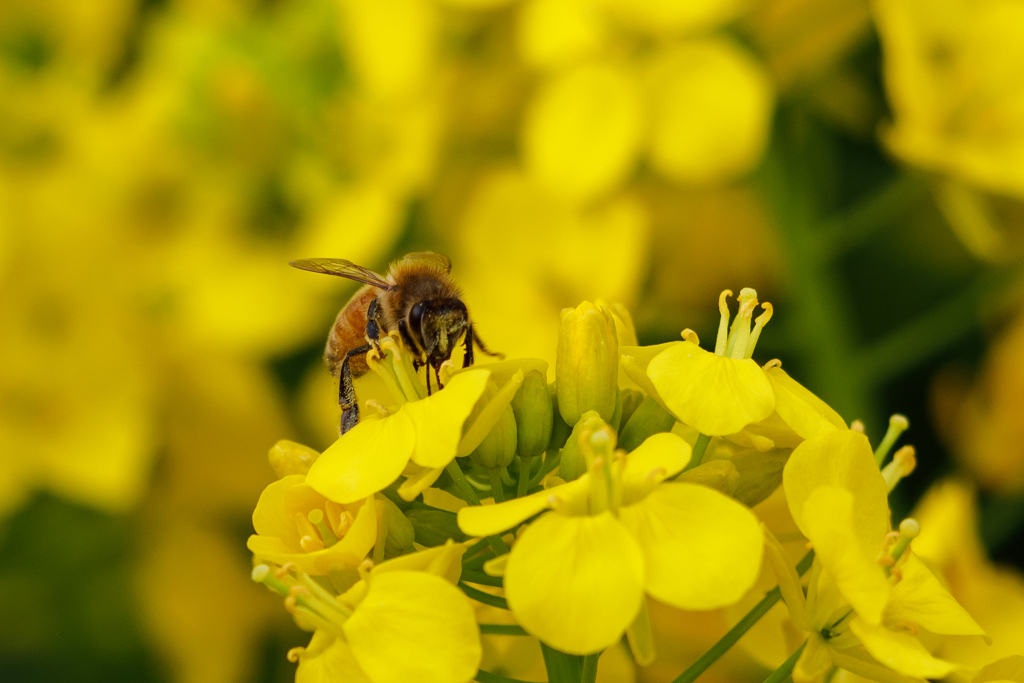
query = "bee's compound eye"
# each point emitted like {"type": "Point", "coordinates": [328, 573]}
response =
{"type": "Point", "coordinates": [416, 317]}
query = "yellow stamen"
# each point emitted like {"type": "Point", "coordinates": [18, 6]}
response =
{"type": "Point", "coordinates": [690, 336]}
{"type": "Point", "coordinates": [759, 324]}
{"type": "Point", "coordinates": [294, 654]}
{"type": "Point", "coordinates": [723, 324]}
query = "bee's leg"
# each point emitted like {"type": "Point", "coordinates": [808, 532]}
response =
{"type": "Point", "coordinates": [427, 373]}
{"type": "Point", "coordinates": [467, 358]}
{"type": "Point", "coordinates": [480, 344]}
{"type": "Point", "coordinates": [347, 392]}
{"type": "Point", "coordinates": [373, 324]}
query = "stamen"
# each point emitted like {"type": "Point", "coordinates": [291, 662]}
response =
{"type": "Point", "coordinates": [909, 529]}
{"type": "Point", "coordinates": [311, 544]}
{"type": "Point", "coordinates": [377, 406]}
{"type": "Point", "coordinates": [897, 425]}
{"type": "Point", "coordinates": [723, 324]}
{"type": "Point", "coordinates": [739, 333]}
{"type": "Point", "coordinates": [384, 369]}
{"type": "Point", "coordinates": [759, 324]}
{"type": "Point", "coordinates": [857, 426]}
{"type": "Point", "coordinates": [294, 654]}
{"type": "Point", "coordinates": [690, 336]}
{"type": "Point", "coordinates": [316, 516]}
{"type": "Point", "coordinates": [773, 363]}
{"type": "Point", "coordinates": [903, 463]}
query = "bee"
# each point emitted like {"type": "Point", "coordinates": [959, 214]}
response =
{"type": "Point", "coordinates": [417, 298]}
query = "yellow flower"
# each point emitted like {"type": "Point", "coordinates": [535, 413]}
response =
{"type": "Point", "coordinates": [725, 392]}
{"type": "Point", "coordinates": [950, 73]}
{"type": "Point", "coordinates": [296, 524]}
{"type": "Point", "coordinates": [857, 616]}
{"type": "Point", "coordinates": [576, 577]}
{"type": "Point", "coordinates": [424, 435]}
{"type": "Point", "coordinates": [403, 621]}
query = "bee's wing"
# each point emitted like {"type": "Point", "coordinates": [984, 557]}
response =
{"type": "Point", "coordinates": [439, 260]}
{"type": "Point", "coordinates": [342, 268]}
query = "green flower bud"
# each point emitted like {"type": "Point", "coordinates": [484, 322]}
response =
{"type": "Point", "coordinates": [720, 475]}
{"type": "Point", "coordinates": [760, 474]}
{"type": "Point", "coordinates": [616, 420]}
{"type": "Point", "coordinates": [560, 431]}
{"type": "Point", "coordinates": [649, 418]}
{"type": "Point", "coordinates": [499, 446]}
{"type": "Point", "coordinates": [435, 527]}
{"type": "Point", "coordinates": [532, 408]}
{"type": "Point", "coordinates": [587, 362]}
{"type": "Point", "coordinates": [288, 457]}
{"type": "Point", "coordinates": [572, 463]}
{"type": "Point", "coordinates": [401, 533]}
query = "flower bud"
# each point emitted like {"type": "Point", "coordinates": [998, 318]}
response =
{"type": "Point", "coordinates": [648, 418]}
{"type": "Point", "coordinates": [400, 530]}
{"type": "Point", "coordinates": [720, 475]}
{"type": "Point", "coordinates": [560, 431]}
{"type": "Point", "coordinates": [587, 362]}
{"type": "Point", "coordinates": [572, 463]}
{"type": "Point", "coordinates": [631, 400]}
{"type": "Point", "coordinates": [499, 446]}
{"type": "Point", "coordinates": [287, 457]}
{"type": "Point", "coordinates": [533, 413]}
{"type": "Point", "coordinates": [760, 474]}
{"type": "Point", "coordinates": [434, 527]}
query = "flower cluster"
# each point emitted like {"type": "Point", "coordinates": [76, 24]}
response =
{"type": "Point", "coordinates": [571, 504]}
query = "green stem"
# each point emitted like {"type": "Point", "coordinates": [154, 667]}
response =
{"type": "Point", "coordinates": [488, 677]}
{"type": "Point", "coordinates": [698, 451]}
{"type": "Point", "coordinates": [470, 497]}
{"type": "Point", "coordinates": [741, 627]}
{"type": "Point", "coordinates": [590, 668]}
{"type": "Point", "coordinates": [486, 598]}
{"type": "Point", "coordinates": [524, 477]}
{"type": "Point", "coordinates": [496, 487]}
{"type": "Point", "coordinates": [786, 670]}
{"type": "Point", "coordinates": [502, 630]}
{"type": "Point", "coordinates": [479, 561]}
{"type": "Point", "coordinates": [562, 668]}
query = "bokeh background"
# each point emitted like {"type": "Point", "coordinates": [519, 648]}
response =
{"type": "Point", "coordinates": [860, 164]}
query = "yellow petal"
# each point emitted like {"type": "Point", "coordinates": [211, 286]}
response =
{"type": "Point", "coordinates": [365, 460]}
{"type": "Point", "coordinates": [487, 415]}
{"type": "Point", "coordinates": [804, 412]}
{"type": "Point", "coordinates": [788, 580]}
{"type": "Point", "coordinates": [921, 599]}
{"type": "Point", "coordinates": [414, 626]}
{"type": "Point", "coordinates": [575, 582]}
{"type": "Point", "coordinates": [859, 662]}
{"type": "Point", "coordinates": [554, 32]}
{"type": "Point", "coordinates": [1005, 669]}
{"type": "Point", "coordinates": [634, 361]}
{"type": "Point", "coordinates": [271, 518]}
{"type": "Point", "coordinates": [439, 417]}
{"type": "Point", "coordinates": [417, 483]}
{"type": "Point", "coordinates": [485, 520]}
{"type": "Point", "coordinates": [901, 652]}
{"type": "Point", "coordinates": [581, 133]}
{"type": "Point", "coordinates": [328, 659]}
{"type": "Point", "coordinates": [702, 550]}
{"type": "Point", "coordinates": [828, 523]}
{"type": "Point", "coordinates": [443, 560]}
{"type": "Point", "coordinates": [663, 455]}
{"type": "Point", "coordinates": [663, 17]}
{"type": "Point", "coordinates": [712, 394]}
{"type": "Point", "coordinates": [843, 459]}
{"type": "Point", "coordinates": [711, 108]}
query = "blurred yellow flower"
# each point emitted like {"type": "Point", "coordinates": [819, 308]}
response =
{"type": "Point", "coordinates": [951, 72]}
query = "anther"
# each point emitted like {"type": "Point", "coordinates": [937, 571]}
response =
{"type": "Point", "coordinates": [903, 463]}
{"type": "Point", "coordinates": [260, 572]}
{"type": "Point", "coordinates": [857, 426]}
{"type": "Point", "coordinates": [897, 425]}
{"type": "Point", "coordinates": [294, 654]}
{"type": "Point", "coordinates": [311, 544]}
{"type": "Point", "coordinates": [690, 336]}
{"type": "Point", "coordinates": [759, 324]}
{"type": "Point", "coordinates": [773, 363]}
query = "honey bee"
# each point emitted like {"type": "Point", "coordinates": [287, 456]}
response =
{"type": "Point", "coordinates": [417, 297]}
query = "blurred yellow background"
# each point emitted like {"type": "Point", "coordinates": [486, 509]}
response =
{"type": "Point", "coordinates": [860, 164]}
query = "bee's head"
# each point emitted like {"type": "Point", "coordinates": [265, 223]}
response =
{"type": "Point", "coordinates": [437, 325]}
